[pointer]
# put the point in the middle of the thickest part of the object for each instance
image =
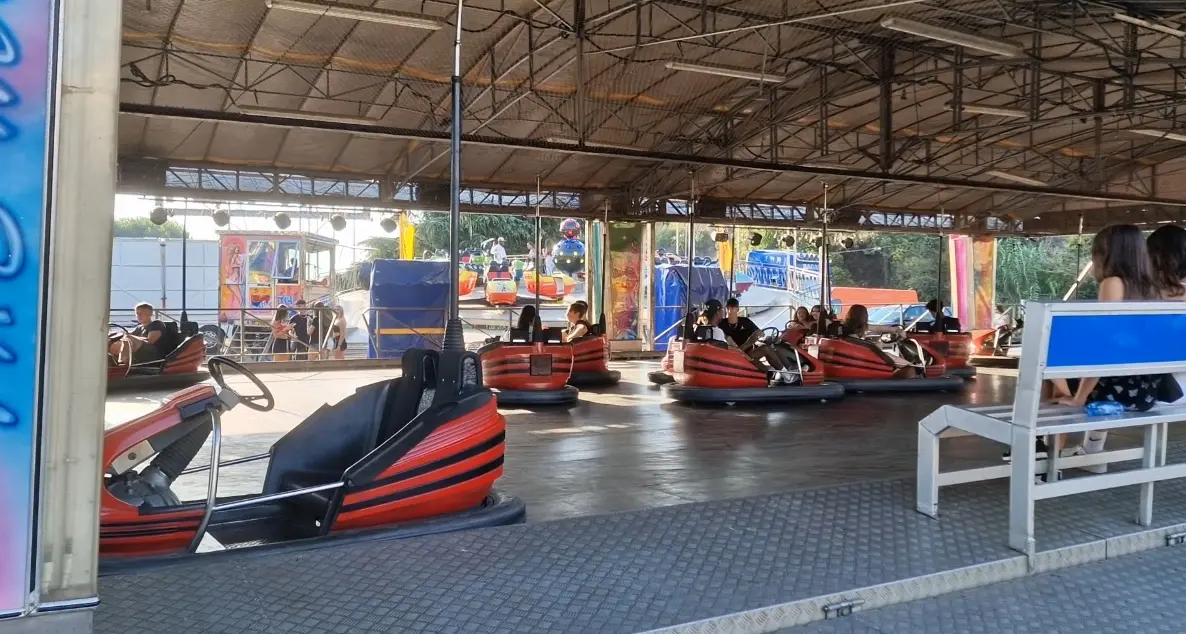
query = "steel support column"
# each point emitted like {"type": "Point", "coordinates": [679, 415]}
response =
{"type": "Point", "coordinates": [578, 19]}
{"type": "Point", "coordinates": [454, 338]}
{"type": "Point", "coordinates": [886, 131]}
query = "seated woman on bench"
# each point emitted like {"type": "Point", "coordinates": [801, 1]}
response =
{"type": "Point", "coordinates": [1167, 254]}
{"type": "Point", "coordinates": [577, 325]}
{"type": "Point", "coordinates": [1121, 263]}
{"type": "Point", "coordinates": [857, 325]}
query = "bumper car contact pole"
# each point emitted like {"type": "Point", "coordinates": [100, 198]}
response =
{"type": "Point", "coordinates": [454, 337]}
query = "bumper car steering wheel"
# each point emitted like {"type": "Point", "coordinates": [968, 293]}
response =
{"type": "Point", "coordinates": [770, 335]}
{"type": "Point", "coordinates": [215, 365]}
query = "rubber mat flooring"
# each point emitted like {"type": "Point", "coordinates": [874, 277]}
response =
{"type": "Point", "coordinates": [623, 572]}
{"type": "Point", "coordinates": [1137, 594]}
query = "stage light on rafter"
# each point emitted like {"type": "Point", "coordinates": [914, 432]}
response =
{"type": "Point", "coordinates": [158, 216]}
{"type": "Point", "coordinates": [337, 221]}
{"type": "Point", "coordinates": [755, 239]}
{"type": "Point", "coordinates": [221, 217]}
{"type": "Point", "coordinates": [388, 224]}
{"type": "Point", "coordinates": [282, 220]}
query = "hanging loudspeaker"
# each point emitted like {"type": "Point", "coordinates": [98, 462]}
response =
{"type": "Point", "coordinates": [221, 217]}
{"type": "Point", "coordinates": [847, 242]}
{"type": "Point", "coordinates": [720, 236]}
{"type": "Point", "coordinates": [788, 241]}
{"type": "Point", "coordinates": [819, 242]}
{"type": "Point", "coordinates": [159, 216]}
{"type": "Point", "coordinates": [337, 221]}
{"type": "Point", "coordinates": [282, 220]}
{"type": "Point", "coordinates": [388, 224]}
{"type": "Point", "coordinates": [755, 239]}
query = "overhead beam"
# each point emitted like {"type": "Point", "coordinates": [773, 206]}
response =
{"type": "Point", "coordinates": [886, 131]}
{"type": "Point", "coordinates": [377, 131]}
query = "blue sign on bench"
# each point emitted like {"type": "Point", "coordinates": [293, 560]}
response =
{"type": "Point", "coordinates": [1105, 339]}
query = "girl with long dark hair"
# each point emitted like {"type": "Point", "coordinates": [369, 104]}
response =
{"type": "Point", "coordinates": [1167, 254]}
{"type": "Point", "coordinates": [1121, 263]}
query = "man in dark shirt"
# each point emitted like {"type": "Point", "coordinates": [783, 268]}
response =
{"type": "Point", "coordinates": [300, 326]}
{"type": "Point", "coordinates": [143, 341]}
{"type": "Point", "coordinates": [741, 330]}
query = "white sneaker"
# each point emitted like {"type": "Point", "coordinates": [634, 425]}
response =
{"type": "Point", "coordinates": [1080, 450]}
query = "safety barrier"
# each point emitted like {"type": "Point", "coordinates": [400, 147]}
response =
{"type": "Point", "coordinates": [1065, 341]}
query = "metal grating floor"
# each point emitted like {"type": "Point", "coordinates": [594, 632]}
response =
{"type": "Point", "coordinates": [1140, 593]}
{"type": "Point", "coordinates": [624, 572]}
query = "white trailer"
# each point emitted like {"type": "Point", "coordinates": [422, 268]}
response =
{"type": "Point", "coordinates": [150, 270]}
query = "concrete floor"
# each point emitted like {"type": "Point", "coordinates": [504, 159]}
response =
{"type": "Point", "coordinates": [627, 447]}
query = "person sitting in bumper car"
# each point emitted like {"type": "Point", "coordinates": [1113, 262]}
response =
{"type": "Point", "coordinates": [856, 324]}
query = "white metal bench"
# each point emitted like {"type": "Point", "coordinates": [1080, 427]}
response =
{"type": "Point", "coordinates": [1067, 340]}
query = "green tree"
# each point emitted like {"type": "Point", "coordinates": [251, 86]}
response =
{"type": "Point", "coordinates": [432, 232]}
{"type": "Point", "coordinates": [380, 248]}
{"type": "Point", "coordinates": [1041, 268]}
{"type": "Point", "coordinates": [144, 228]}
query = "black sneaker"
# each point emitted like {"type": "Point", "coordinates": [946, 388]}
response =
{"type": "Point", "coordinates": [1039, 451]}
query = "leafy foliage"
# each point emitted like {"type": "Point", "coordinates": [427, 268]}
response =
{"type": "Point", "coordinates": [142, 227]}
{"type": "Point", "coordinates": [432, 232]}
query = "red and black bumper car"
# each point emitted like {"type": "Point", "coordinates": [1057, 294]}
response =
{"type": "Point", "coordinates": [862, 366]}
{"type": "Point", "coordinates": [369, 468]}
{"type": "Point", "coordinates": [590, 357]}
{"type": "Point", "coordinates": [180, 365]}
{"type": "Point", "coordinates": [529, 370]}
{"type": "Point", "coordinates": [955, 348]}
{"type": "Point", "coordinates": [712, 372]}
{"type": "Point", "coordinates": [501, 287]}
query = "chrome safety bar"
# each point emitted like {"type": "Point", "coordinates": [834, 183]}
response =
{"type": "Point", "coordinates": [228, 463]}
{"type": "Point", "coordinates": [279, 496]}
{"type": "Point", "coordinates": [212, 483]}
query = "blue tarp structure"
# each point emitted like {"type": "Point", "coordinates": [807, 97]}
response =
{"type": "Point", "coordinates": [708, 282]}
{"type": "Point", "coordinates": [409, 301]}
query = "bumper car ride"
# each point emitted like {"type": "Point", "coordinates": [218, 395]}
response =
{"type": "Point", "coordinates": [713, 373]}
{"type": "Point", "coordinates": [863, 367]}
{"type": "Point", "coordinates": [400, 458]}
{"type": "Point", "coordinates": [529, 373]}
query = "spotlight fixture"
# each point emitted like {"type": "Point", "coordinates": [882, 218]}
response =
{"type": "Point", "coordinates": [721, 71]}
{"type": "Point", "coordinates": [1016, 179]}
{"type": "Point", "coordinates": [355, 13]}
{"type": "Point", "coordinates": [158, 216]}
{"type": "Point", "coordinates": [221, 217]}
{"type": "Point", "coordinates": [282, 220]}
{"type": "Point", "coordinates": [989, 110]}
{"type": "Point", "coordinates": [388, 224]}
{"type": "Point", "coordinates": [1161, 134]}
{"type": "Point", "coordinates": [720, 236]}
{"type": "Point", "coordinates": [309, 115]}
{"type": "Point", "coordinates": [819, 242]}
{"type": "Point", "coordinates": [952, 36]}
{"type": "Point", "coordinates": [755, 239]}
{"type": "Point", "coordinates": [337, 222]}
{"type": "Point", "coordinates": [847, 243]}
{"type": "Point", "coordinates": [1152, 26]}
{"type": "Point", "coordinates": [788, 241]}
